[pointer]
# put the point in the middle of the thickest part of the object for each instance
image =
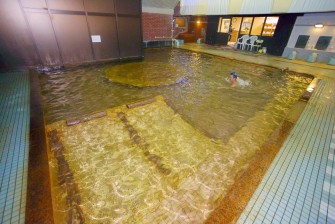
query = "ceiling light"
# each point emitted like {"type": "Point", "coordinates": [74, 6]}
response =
{"type": "Point", "coordinates": [319, 25]}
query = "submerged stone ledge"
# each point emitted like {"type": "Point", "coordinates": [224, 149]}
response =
{"type": "Point", "coordinates": [141, 103]}
{"type": "Point", "coordinates": [66, 180]}
{"type": "Point", "coordinates": [85, 118]}
{"type": "Point", "coordinates": [146, 74]}
{"type": "Point", "coordinates": [143, 145]}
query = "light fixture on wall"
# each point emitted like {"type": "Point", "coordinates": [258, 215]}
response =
{"type": "Point", "coordinates": [198, 22]}
{"type": "Point", "coordinates": [319, 25]}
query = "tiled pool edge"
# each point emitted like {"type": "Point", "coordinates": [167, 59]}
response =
{"type": "Point", "coordinates": [14, 121]}
{"type": "Point", "coordinates": [314, 69]}
{"type": "Point", "coordinates": [247, 181]}
{"type": "Point", "coordinates": [39, 202]}
{"type": "Point", "coordinates": [236, 199]}
{"type": "Point", "coordinates": [299, 186]}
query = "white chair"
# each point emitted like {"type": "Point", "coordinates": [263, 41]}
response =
{"type": "Point", "coordinates": [292, 55]}
{"type": "Point", "coordinates": [252, 40]}
{"type": "Point", "coordinates": [257, 45]}
{"type": "Point", "coordinates": [242, 41]}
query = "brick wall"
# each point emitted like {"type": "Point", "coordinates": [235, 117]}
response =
{"type": "Point", "coordinates": [156, 25]}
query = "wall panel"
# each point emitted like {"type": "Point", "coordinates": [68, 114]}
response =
{"type": "Point", "coordinates": [129, 38]}
{"type": "Point", "coordinates": [104, 6]}
{"type": "Point", "coordinates": [108, 48]}
{"type": "Point", "coordinates": [129, 7]}
{"type": "Point", "coordinates": [16, 43]}
{"type": "Point", "coordinates": [70, 5]}
{"type": "Point", "coordinates": [45, 39]}
{"type": "Point", "coordinates": [58, 32]}
{"type": "Point", "coordinates": [73, 38]}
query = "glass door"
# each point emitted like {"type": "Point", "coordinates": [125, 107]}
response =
{"type": "Point", "coordinates": [236, 23]}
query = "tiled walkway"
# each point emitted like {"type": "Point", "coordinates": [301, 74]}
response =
{"type": "Point", "coordinates": [299, 186]}
{"type": "Point", "coordinates": [316, 69]}
{"type": "Point", "coordinates": [14, 145]}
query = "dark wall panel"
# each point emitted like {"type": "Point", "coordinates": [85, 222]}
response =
{"type": "Point", "coordinates": [71, 5]}
{"type": "Point", "coordinates": [106, 28]}
{"type": "Point", "coordinates": [34, 3]}
{"type": "Point", "coordinates": [129, 36]}
{"type": "Point", "coordinates": [212, 27]}
{"type": "Point", "coordinates": [16, 44]}
{"type": "Point", "coordinates": [130, 7]}
{"type": "Point", "coordinates": [44, 36]}
{"type": "Point", "coordinates": [73, 37]}
{"type": "Point", "coordinates": [32, 35]}
{"type": "Point", "coordinates": [105, 6]}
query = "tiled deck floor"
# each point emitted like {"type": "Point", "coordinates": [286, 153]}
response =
{"type": "Point", "coordinates": [299, 186]}
{"type": "Point", "coordinates": [14, 145]}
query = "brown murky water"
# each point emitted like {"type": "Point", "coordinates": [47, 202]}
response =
{"type": "Point", "coordinates": [198, 131]}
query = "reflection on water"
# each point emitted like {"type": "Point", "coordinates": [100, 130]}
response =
{"type": "Point", "coordinates": [224, 128]}
{"type": "Point", "coordinates": [204, 98]}
{"type": "Point", "coordinates": [120, 178]}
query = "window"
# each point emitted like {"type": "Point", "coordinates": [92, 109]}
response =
{"type": "Point", "coordinates": [270, 26]}
{"type": "Point", "coordinates": [302, 41]}
{"type": "Point", "coordinates": [224, 25]}
{"type": "Point", "coordinates": [257, 26]}
{"type": "Point", "coordinates": [236, 23]}
{"type": "Point", "coordinates": [323, 42]}
{"type": "Point", "coordinates": [180, 22]}
{"type": "Point", "coordinates": [246, 25]}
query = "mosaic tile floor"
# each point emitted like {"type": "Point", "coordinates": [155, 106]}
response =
{"type": "Point", "coordinates": [299, 186]}
{"type": "Point", "coordinates": [14, 145]}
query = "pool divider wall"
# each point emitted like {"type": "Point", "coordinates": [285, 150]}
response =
{"type": "Point", "coordinates": [248, 179]}
{"type": "Point", "coordinates": [39, 201]}
{"type": "Point", "coordinates": [66, 180]}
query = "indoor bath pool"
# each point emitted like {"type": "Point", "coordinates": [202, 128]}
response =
{"type": "Point", "coordinates": [169, 159]}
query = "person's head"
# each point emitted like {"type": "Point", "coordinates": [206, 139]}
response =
{"type": "Point", "coordinates": [233, 79]}
{"type": "Point", "coordinates": [233, 75]}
